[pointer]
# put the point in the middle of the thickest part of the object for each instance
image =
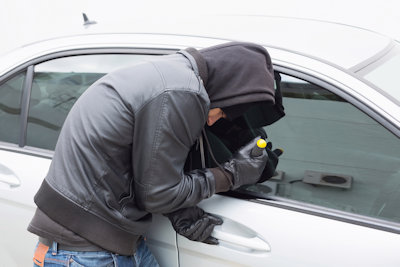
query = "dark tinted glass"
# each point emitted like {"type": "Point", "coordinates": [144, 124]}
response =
{"type": "Point", "coordinates": [10, 109]}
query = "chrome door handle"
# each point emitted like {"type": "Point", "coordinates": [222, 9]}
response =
{"type": "Point", "coordinates": [250, 243]}
{"type": "Point", "coordinates": [8, 177]}
{"type": "Point", "coordinates": [11, 180]}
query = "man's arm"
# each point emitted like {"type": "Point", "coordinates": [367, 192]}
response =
{"type": "Point", "coordinates": [164, 132]}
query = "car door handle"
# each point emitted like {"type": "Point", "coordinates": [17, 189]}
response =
{"type": "Point", "coordinates": [11, 180]}
{"type": "Point", "coordinates": [251, 243]}
{"type": "Point", "coordinates": [8, 177]}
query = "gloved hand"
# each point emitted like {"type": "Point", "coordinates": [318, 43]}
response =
{"type": "Point", "coordinates": [244, 168]}
{"type": "Point", "coordinates": [273, 159]}
{"type": "Point", "coordinates": [195, 224]}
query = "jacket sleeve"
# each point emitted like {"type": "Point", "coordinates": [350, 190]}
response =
{"type": "Point", "coordinates": [164, 131]}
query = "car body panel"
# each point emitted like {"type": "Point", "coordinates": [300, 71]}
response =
{"type": "Point", "coordinates": [306, 247]}
{"type": "Point", "coordinates": [20, 178]}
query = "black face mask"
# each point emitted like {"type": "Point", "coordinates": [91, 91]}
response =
{"type": "Point", "coordinates": [223, 127]}
{"type": "Point", "coordinates": [231, 133]}
{"type": "Point", "coordinates": [234, 112]}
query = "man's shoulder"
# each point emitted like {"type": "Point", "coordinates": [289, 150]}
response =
{"type": "Point", "coordinates": [177, 74]}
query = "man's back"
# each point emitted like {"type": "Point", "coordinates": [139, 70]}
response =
{"type": "Point", "coordinates": [108, 139]}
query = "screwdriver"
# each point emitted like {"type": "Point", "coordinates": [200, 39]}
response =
{"type": "Point", "coordinates": [258, 148]}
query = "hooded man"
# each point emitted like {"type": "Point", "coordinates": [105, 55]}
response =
{"type": "Point", "coordinates": [121, 154]}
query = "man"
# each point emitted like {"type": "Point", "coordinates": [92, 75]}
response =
{"type": "Point", "coordinates": [122, 149]}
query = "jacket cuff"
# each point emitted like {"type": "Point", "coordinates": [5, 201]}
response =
{"type": "Point", "coordinates": [223, 180]}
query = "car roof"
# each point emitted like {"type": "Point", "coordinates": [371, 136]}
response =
{"type": "Point", "coordinates": [337, 44]}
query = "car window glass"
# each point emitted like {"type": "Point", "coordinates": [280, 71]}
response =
{"type": "Point", "coordinates": [10, 98]}
{"type": "Point", "coordinates": [335, 156]}
{"type": "Point", "coordinates": [57, 84]}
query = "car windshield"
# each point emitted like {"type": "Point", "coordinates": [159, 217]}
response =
{"type": "Point", "coordinates": [384, 73]}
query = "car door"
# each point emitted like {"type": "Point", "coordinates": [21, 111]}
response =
{"type": "Point", "coordinates": [33, 106]}
{"type": "Point", "coordinates": [19, 170]}
{"type": "Point", "coordinates": [335, 198]}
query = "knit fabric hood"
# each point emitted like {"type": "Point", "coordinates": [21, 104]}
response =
{"type": "Point", "coordinates": [239, 78]}
{"type": "Point", "coordinates": [238, 73]}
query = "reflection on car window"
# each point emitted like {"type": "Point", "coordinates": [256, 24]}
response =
{"type": "Point", "coordinates": [334, 156]}
{"type": "Point", "coordinates": [10, 98]}
{"type": "Point", "coordinates": [57, 84]}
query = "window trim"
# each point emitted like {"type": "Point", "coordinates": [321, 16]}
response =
{"type": "Point", "coordinates": [86, 51]}
{"type": "Point", "coordinates": [338, 215]}
{"type": "Point", "coordinates": [27, 150]}
{"type": "Point", "coordinates": [25, 100]}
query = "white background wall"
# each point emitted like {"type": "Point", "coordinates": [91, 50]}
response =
{"type": "Point", "coordinates": [24, 21]}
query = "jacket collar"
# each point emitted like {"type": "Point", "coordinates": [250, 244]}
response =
{"type": "Point", "coordinates": [201, 64]}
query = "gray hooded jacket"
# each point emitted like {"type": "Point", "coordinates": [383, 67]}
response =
{"type": "Point", "coordinates": [122, 149]}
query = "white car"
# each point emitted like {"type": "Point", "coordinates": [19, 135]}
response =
{"type": "Point", "coordinates": [336, 198]}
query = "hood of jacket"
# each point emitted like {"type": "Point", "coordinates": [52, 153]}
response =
{"type": "Point", "coordinates": [240, 75]}
{"type": "Point", "coordinates": [237, 73]}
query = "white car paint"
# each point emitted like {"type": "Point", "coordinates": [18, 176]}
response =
{"type": "Point", "coordinates": [313, 239]}
{"type": "Point", "coordinates": [20, 177]}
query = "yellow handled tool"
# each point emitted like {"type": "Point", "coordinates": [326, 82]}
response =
{"type": "Point", "coordinates": [258, 148]}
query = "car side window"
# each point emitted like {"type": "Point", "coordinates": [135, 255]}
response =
{"type": "Point", "coordinates": [335, 156]}
{"type": "Point", "coordinates": [10, 109]}
{"type": "Point", "coordinates": [57, 84]}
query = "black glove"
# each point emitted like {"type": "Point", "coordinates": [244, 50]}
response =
{"type": "Point", "coordinates": [195, 224]}
{"type": "Point", "coordinates": [244, 168]}
{"type": "Point", "coordinates": [270, 167]}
